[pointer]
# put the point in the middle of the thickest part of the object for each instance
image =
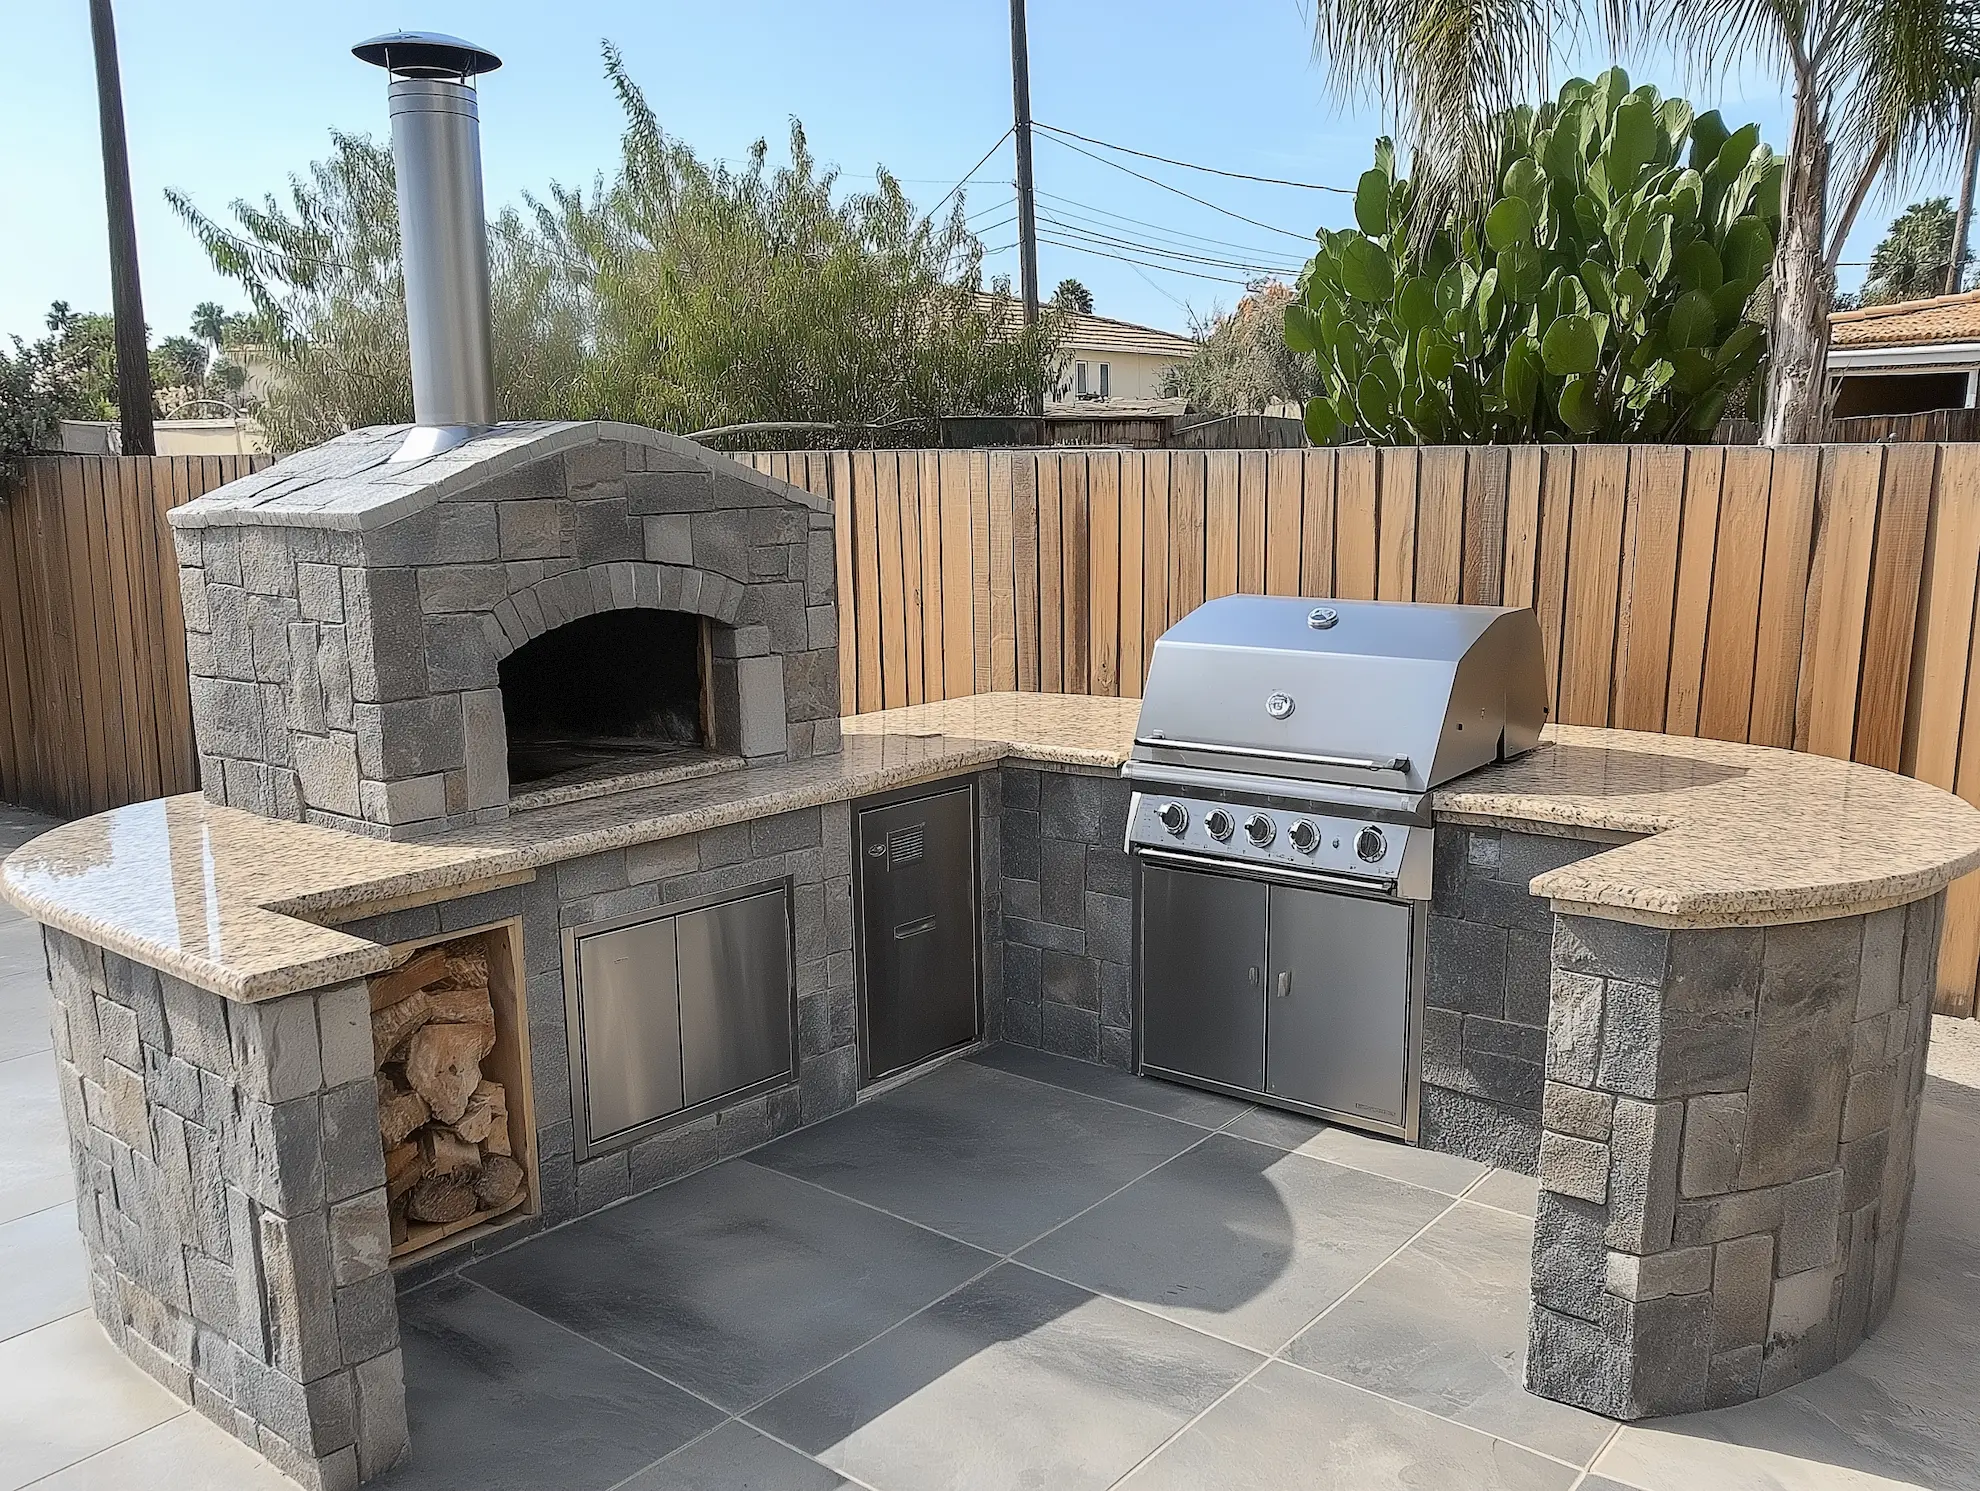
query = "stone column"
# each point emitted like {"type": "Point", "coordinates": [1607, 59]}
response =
{"type": "Point", "coordinates": [1726, 1153]}
{"type": "Point", "coordinates": [230, 1191]}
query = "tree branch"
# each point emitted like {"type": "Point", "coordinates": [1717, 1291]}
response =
{"type": "Point", "coordinates": [1853, 204]}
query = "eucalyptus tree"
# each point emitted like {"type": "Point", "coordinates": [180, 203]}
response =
{"type": "Point", "coordinates": [1878, 89]}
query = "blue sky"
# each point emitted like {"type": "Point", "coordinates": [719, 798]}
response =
{"type": "Point", "coordinates": [225, 103]}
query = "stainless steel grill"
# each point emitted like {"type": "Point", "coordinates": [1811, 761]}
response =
{"type": "Point", "coordinates": [1282, 768]}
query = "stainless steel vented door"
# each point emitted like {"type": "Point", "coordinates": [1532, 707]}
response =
{"type": "Point", "coordinates": [917, 929]}
{"type": "Point", "coordinates": [627, 1037]}
{"type": "Point", "coordinates": [1338, 979]}
{"type": "Point", "coordinates": [1202, 963]}
{"type": "Point", "coordinates": [735, 992]}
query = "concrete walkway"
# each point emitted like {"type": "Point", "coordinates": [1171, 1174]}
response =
{"type": "Point", "coordinates": [1900, 1413]}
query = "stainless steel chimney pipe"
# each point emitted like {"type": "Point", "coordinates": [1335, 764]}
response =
{"type": "Point", "coordinates": [443, 233]}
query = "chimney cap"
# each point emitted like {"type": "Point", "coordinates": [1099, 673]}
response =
{"type": "Point", "coordinates": [426, 54]}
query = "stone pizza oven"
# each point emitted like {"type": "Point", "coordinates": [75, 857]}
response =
{"type": "Point", "coordinates": [541, 612]}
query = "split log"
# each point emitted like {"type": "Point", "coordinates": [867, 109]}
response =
{"type": "Point", "coordinates": [486, 1105]}
{"type": "Point", "coordinates": [391, 1025]}
{"type": "Point", "coordinates": [444, 1152]}
{"type": "Point", "coordinates": [497, 1141]}
{"type": "Point", "coordinates": [396, 985]}
{"type": "Point", "coordinates": [498, 1182]}
{"type": "Point", "coordinates": [400, 1111]}
{"type": "Point", "coordinates": [440, 1198]}
{"type": "Point", "coordinates": [401, 1229]}
{"type": "Point", "coordinates": [404, 1167]}
{"type": "Point", "coordinates": [443, 1064]}
{"type": "Point", "coordinates": [466, 968]}
{"type": "Point", "coordinates": [459, 1006]}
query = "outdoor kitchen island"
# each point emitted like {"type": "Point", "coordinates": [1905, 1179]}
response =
{"type": "Point", "coordinates": [1716, 1069]}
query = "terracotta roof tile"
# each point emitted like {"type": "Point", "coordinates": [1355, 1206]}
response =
{"type": "Point", "coordinates": [1909, 323]}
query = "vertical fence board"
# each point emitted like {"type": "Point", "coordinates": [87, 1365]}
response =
{"type": "Point", "coordinates": [913, 631]}
{"type": "Point", "coordinates": [839, 477]}
{"type": "Point", "coordinates": [1155, 538]}
{"type": "Point", "coordinates": [1838, 601]}
{"type": "Point", "coordinates": [1024, 565]}
{"type": "Point", "coordinates": [1654, 506]}
{"type": "Point", "coordinates": [866, 578]}
{"type": "Point", "coordinates": [958, 643]}
{"type": "Point", "coordinates": [1220, 524]}
{"type": "Point", "coordinates": [1588, 622]}
{"type": "Point", "coordinates": [1522, 547]}
{"type": "Point", "coordinates": [1251, 522]}
{"type": "Point", "coordinates": [1103, 528]}
{"type": "Point", "coordinates": [1133, 478]}
{"type": "Point", "coordinates": [1188, 542]}
{"type": "Point", "coordinates": [1282, 500]}
{"type": "Point", "coordinates": [1890, 628]}
{"type": "Point", "coordinates": [1698, 540]}
{"type": "Point", "coordinates": [928, 522]}
{"type": "Point", "coordinates": [1051, 560]}
{"type": "Point", "coordinates": [1354, 524]}
{"type": "Point", "coordinates": [892, 614]}
{"type": "Point", "coordinates": [1550, 588]}
{"type": "Point", "coordinates": [1003, 580]}
{"type": "Point", "coordinates": [1732, 631]}
{"type": "Point", "coordinates": [979, 567]}
{"type": "Point", "coordinates": [1076, 582]}
{"type": "Point", "coordinates": [1316, 523]}
{"type": "Point", "coordinates": [1440, 525]}
{"type": "Point", "coordinates": [1485, 496]}
{"type": "Point", "coordinates": [1395, 526]}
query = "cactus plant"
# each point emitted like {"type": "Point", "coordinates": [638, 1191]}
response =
{"type": "Point", "coordinates": [1604, 295]}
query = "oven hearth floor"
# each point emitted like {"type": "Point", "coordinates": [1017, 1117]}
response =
{"type": "Point", "coordinates": [1014, 1271]}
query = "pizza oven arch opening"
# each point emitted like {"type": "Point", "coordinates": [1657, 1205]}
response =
{"type": "Point", "coordinates": [615, 694]}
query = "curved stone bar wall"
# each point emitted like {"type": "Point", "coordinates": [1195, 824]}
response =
{"type": "Point", "coordinates": [1726, 1151]}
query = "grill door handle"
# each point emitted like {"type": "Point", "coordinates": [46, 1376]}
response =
{"type": "Point", "coordinates": [1261, 753]}
{"type": "Point", "coordinates": [914, 928]}
{"type": "Point", "coordinates": [1285, 983]}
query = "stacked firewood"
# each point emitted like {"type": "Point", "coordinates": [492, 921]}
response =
{"type": "Point", "coordinates": [445, 1125]}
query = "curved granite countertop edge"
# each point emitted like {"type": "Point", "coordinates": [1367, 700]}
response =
{"type": "Point", "coordinates": [247, 907]}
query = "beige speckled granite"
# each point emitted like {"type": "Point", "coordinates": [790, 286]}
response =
{"type": "Point", "coordinates": [239, 904]}
{"type": "Point", "coordinates": [1735, 835]}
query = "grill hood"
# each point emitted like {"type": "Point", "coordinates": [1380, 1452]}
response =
{"type": "Point", "coordinates": [1360, 693]}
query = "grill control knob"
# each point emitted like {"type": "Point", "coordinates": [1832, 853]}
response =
{"type": "Point", "coordinates": [1305, 837]}
{"type": "Point", "coordinates": [1219, 824]}
{"type": "Point", "coordinates": [1258, 829]}
{"type": "Point", "coordinates": [1370, 845]}
{"type": "Point", "coordinates": [1174, 817]}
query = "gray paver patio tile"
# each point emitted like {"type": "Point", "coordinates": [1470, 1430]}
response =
{"type": "Point", "coordinates": [734, 1282]}
{"type": "Point", "coordinates": [187, 1453]}
{"type": "Point", "coordinates": [1508, 1190]}
{"type": "Point", "coordinates": [1391, 1157]}
{"type": "Point", "coordinates": [1289, 1430]}
{"type": "Point", "coordinates": [65, 1393]}
{"type": "Point", "coordinates": [1207, 1110]}
{"type": "Point", "coordinates": [44, 1273]}
{"type": "Point", "coordinates": [736, 1458]}
{"type": "Point", "coordinates": [1016, 1380]}
{"type": "Point", "coordinates": [981, 1155]}
{"type": "Point", "coordinates": [20, 948]}
{"type": "Point", "coordinates": [24, 1012]}
{"type": "Point", "coordinates": [1240, 1239]}
{"type": "Point", "coordinates": [499, 1399]}
{"type": "Point", "coordinates": [34, 1140]}
{"type": "Point", "coordinates": [1442, 1326]}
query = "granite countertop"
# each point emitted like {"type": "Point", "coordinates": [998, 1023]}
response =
{"type": "Point", "coordinates": [1732, 835]}
{"type": "Point", "coordinates": [244, 905]}
{"type": "Point", "coordinates": [1718, 835]}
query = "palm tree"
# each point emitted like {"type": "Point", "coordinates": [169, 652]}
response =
{"type": "Point", "coordinates": [1879, 86]}
{"type": "Point", "coordinates": [1910, 263]}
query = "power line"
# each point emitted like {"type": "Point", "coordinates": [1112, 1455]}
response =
{"type": "Point", "coordinates": [1106, 219]}
{"type": "Point", "coordinates": [1080, 248]}
{"type": "Point", "coordinates": [1190, 196]}
{"type": "Point", "coordinates": [1310, 186]}
{"type": "Point", "coordinates": [994, 147]}
{"type": "Point", "coordinates": [1112, 241]}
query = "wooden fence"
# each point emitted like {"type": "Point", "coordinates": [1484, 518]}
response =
{"type": "Point", "coordinates": [1862, 429]}
{"type": "Point", "coordinates": [92, 642]}
{"type": "Point", "coordinates": [1820, 598]}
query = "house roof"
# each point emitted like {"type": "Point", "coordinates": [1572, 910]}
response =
{"type": "Point", "coordinates": [1093, 334]}
{"type": "Point", "coordinates": [1909, 323]}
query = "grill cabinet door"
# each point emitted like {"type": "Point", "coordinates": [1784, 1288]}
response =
{"type": "Point", "coordinates": [629, 1027]}
{"type": "Point", "coordinates": [735, 977]}
{"type": "Point", "coordinates": [1202, 959]}
{"type": "Point", "coordinates": [1338, 1005]}
{"type": "Point", "coordinates": [917, 930]}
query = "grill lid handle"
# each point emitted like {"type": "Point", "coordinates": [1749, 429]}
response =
{"type": "Point", "coordinates": [1260, 753]}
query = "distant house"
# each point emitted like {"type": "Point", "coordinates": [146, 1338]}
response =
{"type": "Point", "coordinates": [1105, 358]}
{"type": "Point", "coordinates": [1907, 357]}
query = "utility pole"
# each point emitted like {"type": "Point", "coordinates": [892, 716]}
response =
{"type": "Point", "coordinates": [1027, 216]}
{"type": "Point", "coordinates": [1964, 220]}
{"type": "Point", "coordinates": [126, 301]}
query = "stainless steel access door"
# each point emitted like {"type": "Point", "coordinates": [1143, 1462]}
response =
{"type": "Point", "coordinates": [626, 1035]}
{"type": "Point", "coordinates": [1202, 973]}
{"type": "Point", "coordinates": [917, 929]}
{"type": "Point", "coordinates": [735, 992]}
{"type": "Point", "coordinates": [1337, 1012]}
